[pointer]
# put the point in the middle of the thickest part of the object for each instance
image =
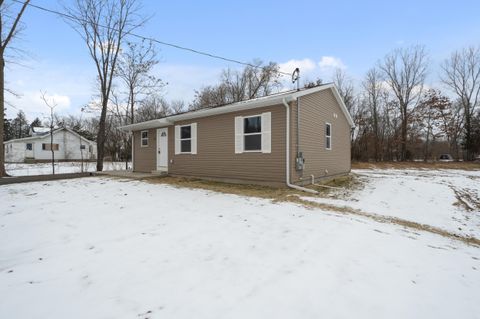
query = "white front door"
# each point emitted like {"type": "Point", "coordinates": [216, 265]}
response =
{"type": "Point", "coordinates": [162, 149]}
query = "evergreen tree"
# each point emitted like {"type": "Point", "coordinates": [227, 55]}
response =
{"type": "Point", "coordinates": [20, 125]}
{"type": "Point", "coordinates": [36, 123]}
{"type": "Point", "coordinates": [7, 129]}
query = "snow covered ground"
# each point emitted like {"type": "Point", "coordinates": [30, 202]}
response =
{"type": "Point", "coordinates": [447, 199]}
{"type": "Point", "coordinates": [110, 248]}
{"type": "Point", "coordinates": [22, 169]}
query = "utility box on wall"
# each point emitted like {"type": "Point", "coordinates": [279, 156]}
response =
{"type": "Point", "coordinates": [299, 162]}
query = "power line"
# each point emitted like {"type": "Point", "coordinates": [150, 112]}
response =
{"type": "Point", "coordinates": [211, 55]}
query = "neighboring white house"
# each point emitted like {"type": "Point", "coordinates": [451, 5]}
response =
{"type": "Point", "coordinates": [67, 145]}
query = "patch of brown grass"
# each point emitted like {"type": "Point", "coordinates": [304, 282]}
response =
{"type": "Point", "coordinates": [275, 193]}
{"type": "Point", "coordinates": [293, 196]}
{"type": "Point", "coordinates": [417, 165]}
{"type": "Point", "coordinates": [339, 187]}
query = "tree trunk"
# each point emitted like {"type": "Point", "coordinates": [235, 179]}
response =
{"type": "Point", "coordinates": [132, 106]}
{"type": "Point", "coordinates": [403, 150]}
{"type": "Point", "coordinates": [468, 134]}
{"type": "Point", "coordinates": [51, 148]}
{"type": "Point", "coordinates": [2, 115]}
{"type": "Point", "coordinates": [425, 156]}
{"type": "Point", "coordinates": [101, 136]}
{"type": "Point", "coordinates": [375, 130]}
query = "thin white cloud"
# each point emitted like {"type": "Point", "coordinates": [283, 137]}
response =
{"type": "Point", "coordinates": [311, 70]}
{"type": "Point", "coordinates": [68, 86]}
{"type": "Point", "coordinates": [306, 65]}
{"type": "Point", "coordinates": [331, 62]}
{"type": "Point", "coordinates": [32, 104]}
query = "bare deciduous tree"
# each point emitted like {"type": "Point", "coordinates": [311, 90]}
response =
{"type": "Point", "coordinates": [345, 87]}
{"type": "Point", "coordinates": [104, 26]}
{"type": "Point", "coordinates": [374, 92]}
{"type": "Point", "coordinates": [405, 71]}
{"type": "Point", "coordinates": [461, 73]}
{"type": "Point", "coordinates": [237, 86]}
{"type": "Point", "coordinates": [134, 69]}
{"type": "Point", "coordinates": [154, 107]}
{"type": "Point", "coordinates": [428, 118]}
{"type": "Point", "coordinates": [8, 29]}
{"type": "Point", "coordinates": [51, 104]}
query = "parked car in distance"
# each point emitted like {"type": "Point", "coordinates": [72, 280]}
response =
{"type": "Point", "coordinates": [445, 158]}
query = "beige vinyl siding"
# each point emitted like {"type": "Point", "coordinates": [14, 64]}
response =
{"type": "Point", "coordinates": [145, 157]}
{"type": "Point", "coordinates": [316, 110]}
{"type": "Point", "coordinates": [216, 158]}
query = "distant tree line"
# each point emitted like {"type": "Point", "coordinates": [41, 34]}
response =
{"type": "Point", "coordinates": [397, 116]}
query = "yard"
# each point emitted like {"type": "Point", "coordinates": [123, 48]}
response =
{"type": "Point", "coordinates": [112, 248]}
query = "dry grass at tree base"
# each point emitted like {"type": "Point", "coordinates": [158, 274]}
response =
{"type": "Point", "coordinates": [417, 165]}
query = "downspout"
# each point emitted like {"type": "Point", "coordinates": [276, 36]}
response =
{"type": "Point", "coordinates": [298, 127]}
{"type": "Point", "coordinates": [287, 153]}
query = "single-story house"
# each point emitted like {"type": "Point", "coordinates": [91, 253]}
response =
{"type": "Point", "coordinates": [67, 145]}
{"type": "Point", "coordinates": [291, 138]}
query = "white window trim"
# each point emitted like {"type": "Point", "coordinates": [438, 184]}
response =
{"type": "Point", "coordinates": [142, 139]}
{"type": "Point", "coordinates": [247, 134]}
{"type": "Point", "coordinates": [185, 139]}
{"type": "Point", "coordinates": [328, 136]}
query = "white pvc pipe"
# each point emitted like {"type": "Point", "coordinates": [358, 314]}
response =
{"type": "Point", "coordinates": [313, 183]}
{"type": "Point", "coordinates": [287, 152]}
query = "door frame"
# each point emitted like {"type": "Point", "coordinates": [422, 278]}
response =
{"type": "Point", "coordinates": [160, 151]}
{"type": "Point", "coordinates": [30, 153]}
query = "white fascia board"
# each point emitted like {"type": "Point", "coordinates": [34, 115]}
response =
{"type": "Point", "coordinates": [19, 140]}
{"type": "Point", "coordinates": [157, 123]}
{"type": "Point", "coordinates": [236, 107]}
{"type": "Point", "coordinates": [336, 94]}
{"type": "Point", "coordinates": [343, 106]}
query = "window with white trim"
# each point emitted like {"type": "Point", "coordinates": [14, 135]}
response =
{"type": "Point", "coordinates": [144, 138]}
{"type": "Point", "coordinates": [252, 133]}
{"type": "Point", "coordinates": [186, 139]}
{"type": "Point", "coordinates": [328, 136]}
{"type": "Point", "coordinates": [29, 147]}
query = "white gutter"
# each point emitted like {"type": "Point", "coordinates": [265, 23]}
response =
{"type": "Point", "coordinates": [287, 152]}
{"type": "Point", "coordinates": [238, 106]}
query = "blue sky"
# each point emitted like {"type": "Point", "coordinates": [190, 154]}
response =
{"type": "Point", "coordinates": [315, 35]}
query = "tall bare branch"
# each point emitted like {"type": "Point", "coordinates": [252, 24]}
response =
{"type": "Point", "coordinates": [405, 71]}
{"type": "Point", "coordinates": [104, 25]}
